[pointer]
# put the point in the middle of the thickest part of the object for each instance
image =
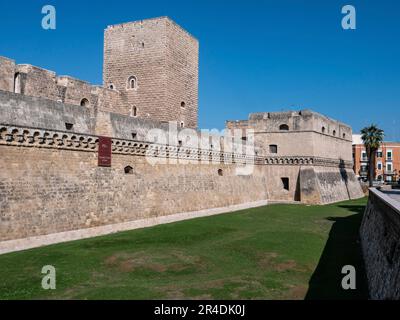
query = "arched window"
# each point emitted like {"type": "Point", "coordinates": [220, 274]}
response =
{"type": "Point", "coordinates": [220, 172]}
{"type": "Point", "coordinates": [132, 83]}
{"type": "Point", "coordinates": [183, 104]}
{"type": "Point", "coordinates": [284, 127]}
{"type": "Point", "coordinates": [128, 170]}
{"type": "Point", "coordinates": [334, 133]}
{"type": "Point", "coordinates": [85, 102]}
{"type": "Point", "coordinates": [323, 130]}
{"type": "Point", "coordinates": [344, 136]}
{"type": "Point", "coordinates": [273, 148]}
{"type": "Point", "coordinates": [17, 83]}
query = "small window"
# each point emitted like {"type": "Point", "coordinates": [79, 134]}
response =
{"type": "Point", "coordinates": [284, 127]}
{"type": "Point", "coordinates": [323, 130]}
{"type": "Point", "coordinates": [128, 170]}
{"type": "Point", "coordinates": [344, 136]}
{"type": "Point", "coordinates": [220, 172]}
{"type": "Point", "coordinates": [134, 135]}
{"type": "Point", "coordinates": [85, 102]}
{"type": "Point", "coordinates": [111, 86]}
{"type": "Point", "coordinates": [273, 148]}
{"type": "Point", "coordinates": [285, 183]}
{"type": "Point", "coordinates": [69, 126]}
{"type": "Point", "coordinates": [132, 83]}
{"type": "Point", "coordinates": [142, 44]}
{"type": "Point", "coordinates": [334, 133]}
{"type": "Point", "coordinates": [17, 83]}
{"type": "Point", "coordinates": [134, 111]}
{"type": "Point", "coordinates": [183, 104]}
{"type": "Point", "coordinates": [182, 124]}
{"type": "Point", "coordinates": [180, 143]}
{"type": "Point", "coordinates": [244, 138]}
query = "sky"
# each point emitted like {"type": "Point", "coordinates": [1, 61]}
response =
{"type": "Point", "coordinates": [255, 56]}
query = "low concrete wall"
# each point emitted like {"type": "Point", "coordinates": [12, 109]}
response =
{"type": "Point", "coordinates": [380, 235]}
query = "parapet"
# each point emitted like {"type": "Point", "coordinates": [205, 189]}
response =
{"type": "Point", "coordinates": [33, 81]}
{"type": "Point", "coordinates": [293, 121]}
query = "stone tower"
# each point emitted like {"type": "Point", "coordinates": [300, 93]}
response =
{"type": "Point", "coordinates": [154, 65]}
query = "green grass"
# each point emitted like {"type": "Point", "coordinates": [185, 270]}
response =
{"type": "Point", "coordinates": [273, 252]}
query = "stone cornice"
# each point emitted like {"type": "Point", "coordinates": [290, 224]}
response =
{"type": "Point", "coordinates": [53, 139]}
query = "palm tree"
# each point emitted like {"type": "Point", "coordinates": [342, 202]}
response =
{"type": "Point", "coordinates": [373, 138]}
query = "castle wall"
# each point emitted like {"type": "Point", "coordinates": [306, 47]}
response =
{"type": "Point", "coordinates": [324, 185]}
{"type": "Point", "coordinates": [182, 74]}
{"type": "Point", "coordinates": [7, 73]}
{"type": "Point", "coordinates": [138, 49]}
{"type": "Point", "coordinates": [315, 134]}
{"type": "Point", "coordinates": [37, 82]}
{"type": "Point", "coordinates": [75, 91]}
{"type": "Point", "coordinates": [46, 190]}
{"type": "Point", "coordinates": [36, 112]}
{"type": "Point", "coordinates": [164, 60]}
{"type": "Point", "coordinates": [380, 239]}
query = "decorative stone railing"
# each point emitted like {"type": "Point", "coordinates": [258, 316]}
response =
{"type": "Point", "coordinates": [41, 138]}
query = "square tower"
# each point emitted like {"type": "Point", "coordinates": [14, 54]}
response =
{"type": "Point", "coordinates": [154, 65]}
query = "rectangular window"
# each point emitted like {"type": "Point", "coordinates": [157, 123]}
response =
{"type": "Point", "coordinates": [389, 167]}
{"type": "Point", "coordinates": [273, 148]}
{"type": "Point", "coordinates": [364, 156]}
{"type": "Point", "coordinates": [285, 183]}
{"type": "Point", "coordinates": [389, 155]}
{"type": "Point", "coordinates": [379, 154]}
{"type": "Point", "coordinates": [379, 165]}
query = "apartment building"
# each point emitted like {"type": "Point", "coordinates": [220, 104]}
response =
{"type": "Point", "coordinates": [387, 160]}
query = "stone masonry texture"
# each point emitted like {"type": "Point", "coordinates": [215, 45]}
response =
{"type": "Point", "coordinates": [50, 126]}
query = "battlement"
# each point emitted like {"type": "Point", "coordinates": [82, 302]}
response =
{"type": "Point", "coordinates": [149, 20]}
{"type": "Point", "coordinates": [293, 121]}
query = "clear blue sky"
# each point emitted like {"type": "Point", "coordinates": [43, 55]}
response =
{"type": "Point", "coordinates": [254, 55]}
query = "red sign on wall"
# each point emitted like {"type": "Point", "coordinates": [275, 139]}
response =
{"type": "Point", "coordinates": [104, 152]}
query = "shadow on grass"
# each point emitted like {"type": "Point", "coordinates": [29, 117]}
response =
{"type": "Point", "coordinates": [343, 248]}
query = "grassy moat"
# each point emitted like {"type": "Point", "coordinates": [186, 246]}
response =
{"type": "Point", "coordinates": [273, 252]}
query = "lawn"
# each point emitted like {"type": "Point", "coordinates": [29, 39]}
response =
{"type": "Point", "coordinates": [272, 252]}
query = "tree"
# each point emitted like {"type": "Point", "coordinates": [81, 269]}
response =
{"type": "Point", "coordinates": [372, 137]}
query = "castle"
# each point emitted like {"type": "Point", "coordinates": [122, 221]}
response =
{"type": "Point", "coordinates": [52, 188]}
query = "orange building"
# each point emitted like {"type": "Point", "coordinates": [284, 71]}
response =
{"type": "Point", "coordinates": [387, 160]}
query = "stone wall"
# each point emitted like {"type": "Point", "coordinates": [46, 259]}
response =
{"type": "Point", "coordinates": [380, 239]}
{"type": "Point", "coordinates": [53, 184]}
{"type": "Point", "coordinates": [324, 185]}
{"type": "Point", "coordinates": [160, 55]}
{"type": "Point", "coordinates": [315, 134]}
{"type": "Point", "coordinates": [7, 73]}
{"type": "Point", "coordinates": [163, 59]}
